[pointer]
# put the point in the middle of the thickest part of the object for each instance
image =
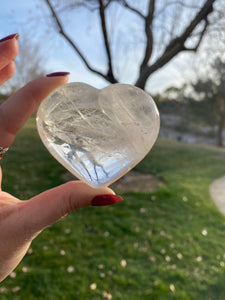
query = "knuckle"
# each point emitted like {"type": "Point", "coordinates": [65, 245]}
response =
{"type": "Point", "coordinates": [71, 202]}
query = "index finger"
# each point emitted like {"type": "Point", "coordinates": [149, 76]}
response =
{"type": "Point", "coordinates": [15, 111]}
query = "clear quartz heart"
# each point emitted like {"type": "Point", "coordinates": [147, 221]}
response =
{"type": "Point", "coordinates": [98, 135]}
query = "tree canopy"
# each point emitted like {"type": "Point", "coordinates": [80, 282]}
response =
{"type": "Point", "coordinates": [210, 96]}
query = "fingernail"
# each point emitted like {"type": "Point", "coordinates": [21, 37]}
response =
{"type": "Point", "coordinates": [102, 200]}
{"type": "Point", "coordinates": [10, 37]}
{"type": "Point", "coordinates": [55, 74]}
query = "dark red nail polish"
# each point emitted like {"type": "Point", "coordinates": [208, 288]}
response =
{"type": "Point", "coordinates": [55, 74]}
{"type": "Point", "coordinates": [10, 37]}
{"type": "Point", "coordinates": [102, 200]}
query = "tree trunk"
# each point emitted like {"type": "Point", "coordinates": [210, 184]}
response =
{"type": "Point", "coordinates": [220, 131]}
{"type": "Point", "coordinates": [142, 80]}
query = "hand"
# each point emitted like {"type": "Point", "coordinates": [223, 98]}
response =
{"type": "Point", "coordinates": [22, 221]}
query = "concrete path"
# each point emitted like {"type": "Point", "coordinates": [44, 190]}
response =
{"type": "Point", "coordinates": [217, 192]}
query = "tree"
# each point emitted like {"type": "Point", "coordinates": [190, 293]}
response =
{"type": "Point", "coordinates": [210, 96]}
{"type": "Point", "coordinates": [175, 93]}
{"type": "Point", "coordinates": [167, 29]}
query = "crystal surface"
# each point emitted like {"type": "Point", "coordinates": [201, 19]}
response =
{"type": "Point", "coordinates": [98, 135]}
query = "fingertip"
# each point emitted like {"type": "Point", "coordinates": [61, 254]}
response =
{"type": "Point", "coordinates": [9, 48]}
{"type": "Point", "coordinates": [10, 37]}
{"type": "Point", "coordinates": [60, 78]}
{"type": "Point", "coordinates": [83, 194]}
{"type": "Point", "coordinates": [111, 191]}
{"type": "Point", "coordinates": [58, 74]}
{"type": "Point", "coordinates": [38, 89]}
{"type": "Point", "coordinates": [103, 200]}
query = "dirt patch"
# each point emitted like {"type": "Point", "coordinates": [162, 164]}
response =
{"type": "Point", "coordinates": [131, 182]}
{"type": "Point", "coordinates": [137, 182]}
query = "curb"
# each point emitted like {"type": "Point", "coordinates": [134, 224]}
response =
{"type": "Point", "coordinates": [217, 192]}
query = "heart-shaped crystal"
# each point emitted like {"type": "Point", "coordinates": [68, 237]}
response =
{"type": "Point", "coordinates": [98, 135]}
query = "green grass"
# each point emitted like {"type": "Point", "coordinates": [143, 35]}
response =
{"type": "Point", "coordinates": [159, 234]}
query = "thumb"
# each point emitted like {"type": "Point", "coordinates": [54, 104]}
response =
{"type": "Point", "coordinates": [50, 206]}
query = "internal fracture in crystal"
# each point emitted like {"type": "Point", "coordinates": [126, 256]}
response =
{"type": "Point", "coordinates": [98, 135]}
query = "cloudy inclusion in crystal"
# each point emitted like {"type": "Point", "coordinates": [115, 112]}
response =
{"type": "Point", "coordinates": [98, 135]}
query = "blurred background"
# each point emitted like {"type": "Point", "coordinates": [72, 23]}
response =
{"type": "Point", "coordinates": [166, 240]}
{"type": "Point", "coordinates": [172, 49]}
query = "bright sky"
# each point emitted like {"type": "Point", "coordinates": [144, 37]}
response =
{"type": "Point", "coordinates": [26, 18]}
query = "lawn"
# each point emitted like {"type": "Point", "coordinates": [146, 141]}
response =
{"type": "Point", "coordinates": [169, 244]}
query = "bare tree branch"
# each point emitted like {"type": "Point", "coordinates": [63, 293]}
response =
{"type": "Point", "coordinates": [107, 4]}
{"type": "Point", "coordinates": [168, 50]}
{"type": "Point", "coordinates": [176, 45]}
{"type": "Point", "coordinates": [124, 2]}
{"type": "Point", "coordinates": [178, 3]}
{"type": "Point", "coordinates": [200, 38]}
{"type": "Point", "coordinates": [148, 33]}
{"type": "Point", "coordinates": [74, 46]}
{"type": "Point", "coordinates": [110, 74]}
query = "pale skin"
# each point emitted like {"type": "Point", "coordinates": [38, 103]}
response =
{"type": "Point", "coordinates": [22, 221]}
